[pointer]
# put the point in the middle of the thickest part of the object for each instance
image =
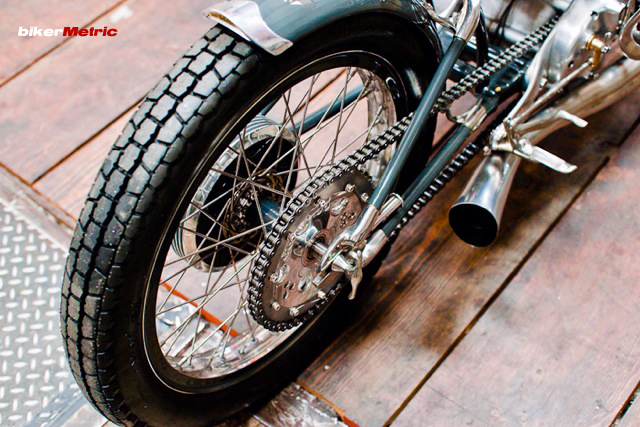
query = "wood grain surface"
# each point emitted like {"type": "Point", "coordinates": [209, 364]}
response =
{"type": "Point", "coordinates": [19, 52]}
{"type": "Point", "coordinates": [539, 329]}
{"type": "Point", "coordinates": [561, 345]}
{"type": "Point", "coordinates": [73, 93]}
{"type": "Point", "coordinates": [424, 300]}
{"type": "Point", "coordinates": [630, 414]}
{"type": "Point", "coordinates": [68, 184]}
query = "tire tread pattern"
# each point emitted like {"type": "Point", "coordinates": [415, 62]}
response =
{"type": "Point", "coordinates": [156, 138]}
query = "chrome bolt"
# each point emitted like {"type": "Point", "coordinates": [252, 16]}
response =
{"type": "Point", "coordinates": [339, 207]}
{"type": "Point", "coordinates": [304, 284]}
{"type": "Point", "coordinates": [303, 227]}
{"type": "Point", "coordinates": [275, 306]}
{"type": "Point", "coordinates": [350, 188]}
{"type": "Point", "coordinates": [364, 197]}
{"type": "Point", "coordinates": [279, 276]}
{"type": "Point", "coordinates": [294, 312]}
{"type": "Point", "coordinates": [321, 295]}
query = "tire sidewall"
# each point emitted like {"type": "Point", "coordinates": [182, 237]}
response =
{"type": "Point", "coordinates": [139, 388]}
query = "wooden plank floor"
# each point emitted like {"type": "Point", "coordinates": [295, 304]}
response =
{"type": "Point", "coordinates": [21, 52]}
{"type": "Point", "coordinates": [78, 89]}
{"type": "Point", "coordinates": [425, 301]}
{"type": "Point", "coordinates": [568, 322]}
{"type": "Point", "coordinates": [539, 329]}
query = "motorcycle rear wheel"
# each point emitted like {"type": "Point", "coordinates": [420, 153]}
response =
{"type": "Point", "coordinates": [147, 183]}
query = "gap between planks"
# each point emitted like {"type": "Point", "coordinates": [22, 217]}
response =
{"type": "Point", "coordinates": [498, 292]}
{"type": "Point", "coordinates": [625, 136]}
{"type": "Point", "coordinates": [14, 190]}
{"type": "Point", "coordinates": [355, 351]}
{"type": "Point", "coordinates": [60, 43]}
{"type": "Point", "coordinates": [465, 364]}
{"type": "Point", "coordinates": [632, 402]}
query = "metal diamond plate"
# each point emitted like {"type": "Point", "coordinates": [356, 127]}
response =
{"type": "Point", "coordinates": [33, 367]}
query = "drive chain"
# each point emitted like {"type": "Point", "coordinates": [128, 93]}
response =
{"type": "Point", "coordinates": [368, 151]}
{"type": "Point", "coordinates": [482, 74]}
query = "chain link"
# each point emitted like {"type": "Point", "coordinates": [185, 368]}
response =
{"type": "Point", "coordinates": [360, 157]}
{"type": "Point", "coordinates": [482, 74]}
{"type": "Point", "coordinates": [281, 229]}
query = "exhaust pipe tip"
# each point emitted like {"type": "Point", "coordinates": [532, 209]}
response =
{"type": "Point", "coordinates": [476, 216]}
{"type": "Point", "coordinates": [474, 224]}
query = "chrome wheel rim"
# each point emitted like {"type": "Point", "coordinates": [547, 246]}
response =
{"type": "Point", "coordinates": [202, 324]}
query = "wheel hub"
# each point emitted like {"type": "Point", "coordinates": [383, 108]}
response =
{"type": "Point", "coordinates": [229, 200]}
{"type": "Point", "coordinates": [294, 282]}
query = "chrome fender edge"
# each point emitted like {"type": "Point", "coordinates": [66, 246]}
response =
{"type": "Point", "coordinates": [244, 18]}
{"type": "Point", "coordinates": [274, 25]}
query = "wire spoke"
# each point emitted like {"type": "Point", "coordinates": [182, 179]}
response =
{"type": "Point", "coordinates": [352, 108]}
{"type": "Point", "coordinates": [199, 297]}
{"type": "Point", "coordinates": [240, 307]}
{"type": "Point", "coordinates": [217, 241]}
{"type": "Point", "coordinates": [211, 334]}
{"type": "Point", "coordinates": [210, 329]}
{"type": "Point", "coordinates": [205, 206]}
{"type": "Point", "coordinates": [366, 132]}
{"type": "Point", "coordinates": [300, 150]}
{"type": "Point", "coordinates": [183, 271]}
{"type": "Point", "coordinates": [334, 144]}
{"type": "Point", "coordinates": [253, 183]}
{"type": "Point", "coordinates": [321, 125]}
{"type": "Point", "coordinates": [209, 299]}
{"type": "Point", "coordinates": [285, 121]}
{"type": "Point", "coordinates": [201, 305]}
{"type": "Point", "coordinates": [322, 88]}
{"type": "Point", "coordinates": [229, 239]}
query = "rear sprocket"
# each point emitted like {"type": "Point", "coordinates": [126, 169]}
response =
{"type": "Point", "coordinates": [288, 287]}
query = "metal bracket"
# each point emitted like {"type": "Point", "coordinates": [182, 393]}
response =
{"type": "Point", "coordinates": [350, 251]}
{"type": "Point", "coordinates": [354, 274]}
{"type": "Point", "coordinates": [354, 238]}
{"type": "Point", "coordinates": [466, 22]}
{"type": "Point", "coordinates": [502, 140]}
{"type": "Point", "coordinates": [472, 118]}
{"type": "Point", "coordinates": [630, 36]}
{"type": "Point", "coordinates": [535, 154]}
{"type": "Point", "coordinates": [509, 137]}
{"type": "Point", "coordinates": [426, 9]}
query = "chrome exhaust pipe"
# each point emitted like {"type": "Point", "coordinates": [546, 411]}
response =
{"type": "Point", "coordinates": [475, 217]}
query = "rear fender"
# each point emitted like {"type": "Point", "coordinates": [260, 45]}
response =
{"type": "Point", "coordinates": [275, 25]}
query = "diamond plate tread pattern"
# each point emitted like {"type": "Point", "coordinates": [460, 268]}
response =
{"type": "Point", "coordinates": [33, 366]}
